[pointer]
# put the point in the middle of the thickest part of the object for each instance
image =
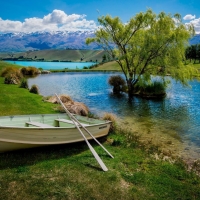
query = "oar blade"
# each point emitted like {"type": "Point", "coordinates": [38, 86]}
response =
{"type": "Point", "coordinates": [98, 158]}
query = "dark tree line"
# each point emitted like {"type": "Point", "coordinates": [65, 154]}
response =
{"type": "Point", "coordinates": [192, 53]}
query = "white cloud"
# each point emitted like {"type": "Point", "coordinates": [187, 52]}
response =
{"type": "Point", "coordinates": [189, 17]}
{"type": "Point", "coordinates": [60, 17]}
{"type": "Point", "coordinates": [55, 21]}
{"type": "Point", "coordinates": [196, 24]}
{"type": "Point", "coordinates": [9, 25]}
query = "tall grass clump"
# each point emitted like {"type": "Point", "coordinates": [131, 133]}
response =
{"type": "Point", "coordinates": [153, 89]}
{"type": "Point", "coordinates": [11, 70]}
{"type": "Point", "coordinates": [118, 83]}
{"type": "Point", "coordinates": [34, 89]}
{"type": "Point", "coordinates": [30, 71]}
{"type": "Point", "coordinates": [12, 75]}
{"type": "Point", "coordinates": [111, 117]}
{"type": "Point", "coordinates": [24, 83]}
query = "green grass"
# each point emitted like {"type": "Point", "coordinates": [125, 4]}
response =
{"type": "Point", "coordinates": [15, 100]}
{"type": "Point", "coordinates": [108, 66]}
{"type": "Point", "coordinates": [5, 64]}
{"type": "Point", "coordinates": [71, 172]}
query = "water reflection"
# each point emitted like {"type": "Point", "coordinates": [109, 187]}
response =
{"type": "Point", "coordinates": [178, 113]}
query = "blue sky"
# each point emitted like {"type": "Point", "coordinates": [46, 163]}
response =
{"type": "Point", "coordinates": [54, 15]}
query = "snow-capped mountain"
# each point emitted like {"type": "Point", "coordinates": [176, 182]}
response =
{"type": "Point", "coordinates": [16, 42]}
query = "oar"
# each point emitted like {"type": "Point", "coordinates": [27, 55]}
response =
{"type": "Point", "coordinates": [76, 120]}
{"type": "Point", "coordinates": [90, 147]}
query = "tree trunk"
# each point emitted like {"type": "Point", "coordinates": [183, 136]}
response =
{"type": "Point", "coordinates": [130, 88]}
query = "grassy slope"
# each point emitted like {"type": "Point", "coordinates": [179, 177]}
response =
{"type": "Point", "coordinates": [110, 66]}
{"type": "Point", "coordinates": [15, 100]}
{"type": "Point", "coordinates": [62, 55]}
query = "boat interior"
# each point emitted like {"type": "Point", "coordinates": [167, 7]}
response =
{"type": "Point", "coordinates": [46, 121]}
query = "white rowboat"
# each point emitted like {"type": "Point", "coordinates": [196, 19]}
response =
{"type": "Point", "coordinates": [27, 131]}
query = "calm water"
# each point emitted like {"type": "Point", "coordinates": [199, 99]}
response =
{"type": "Point", "coordinates": [179, 111]}
{"type": "Point", "coordinates": [53, 65]}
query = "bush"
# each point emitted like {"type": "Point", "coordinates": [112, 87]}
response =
{"type": "Point", "coordinates": [111, 117]}
{"type": "Point", "coordinates": [156, 88]}
{"type": "Point", "coordinates": [29, 71]}
{"type": "Point", "coordinates": [118, 83]}
{"type": "Point", "coordinates": [11, 72]}
{"type": "Point", "coordinates": [153, 89]}
{"type": "Point", "coordinates": [24, 83]}
{"type": "Point", "coordinates": [34, 89]}
{"type": "Point", "coordinates": [11, 79]}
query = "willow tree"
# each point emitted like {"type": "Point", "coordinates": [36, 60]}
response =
{"type": "Point", "coordinates": [147, 45]}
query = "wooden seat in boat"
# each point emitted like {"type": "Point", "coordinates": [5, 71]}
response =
{"type": "Point", "coordinates": [69, 121]}
{"type": "Point", "coordinates": [38, 124]}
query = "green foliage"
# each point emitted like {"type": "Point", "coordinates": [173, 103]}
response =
{"type": "Point", "coordinates": [24, 83]}
{"type": "Point", "coordinates": [153, 89]}
{"type": "Point", "coordinates": [145, 44]}
{"type": "Point", "coordinates": [34, 89]}
{"type": "Point", "coordinates": [193, 53]}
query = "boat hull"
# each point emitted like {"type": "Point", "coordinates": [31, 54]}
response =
{"type": "Point", "coordinates": [14, 138]}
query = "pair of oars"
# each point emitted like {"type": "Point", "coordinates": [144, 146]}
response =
{"type": "Point", "coordinates": [77, 124]}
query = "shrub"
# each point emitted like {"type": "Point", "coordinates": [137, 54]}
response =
{"type": "Point", "coordinates": [29, 71]}
{"type": "Point", "coordinates": [11, 79]}
{"type": "Point", "coordinates": [24, 83]}
{"type": "Point", "coordinates": [111, 117]}
{"type": "Point", "coordinates": [11, 71]}
{"type": "Point", "coordinates": [118, 83]}
{"type": "Point", "coordinates": [154, 88]}
{"type": "Point", "coordinates": [34, 89]}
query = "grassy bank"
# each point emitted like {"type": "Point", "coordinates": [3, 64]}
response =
{"type": "Point", "coordinates": [15, 100]}
{"type": "Point", "coordinates": [138, 171]}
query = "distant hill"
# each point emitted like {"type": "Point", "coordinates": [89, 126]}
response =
{"type": "Point", "coordinates": [195, 39]}
{"type": "Point", "coordinates": [56, 55]}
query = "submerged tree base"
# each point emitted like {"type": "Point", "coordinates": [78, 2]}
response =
{"type": "Point", "coordinates": [150, 96]}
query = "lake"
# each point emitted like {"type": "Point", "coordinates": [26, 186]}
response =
{"type": "Point", "coordinates": [178, 114]}
{"type": "Point", "coordinates": [53, 65]}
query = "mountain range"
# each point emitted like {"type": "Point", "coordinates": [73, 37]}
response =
{"type": "Point", "coordinates": [20, 42]}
